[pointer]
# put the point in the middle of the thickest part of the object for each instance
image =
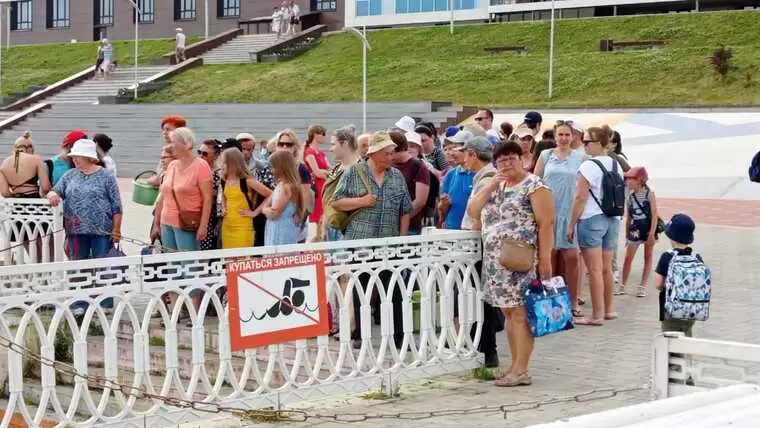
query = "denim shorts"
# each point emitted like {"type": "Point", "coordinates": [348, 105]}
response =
{"type": "Point", "coordinates": [599, 231]}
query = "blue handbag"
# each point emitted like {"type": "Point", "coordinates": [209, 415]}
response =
{"type": "Point", "coordinates": [548, 307]}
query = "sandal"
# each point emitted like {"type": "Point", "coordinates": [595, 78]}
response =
{"type": "Point", "coordinates": [611, 316]}
{"type": "Point", "coordinates": [641, 291]}
{"type": "Point", "coordinates": [589, 321]}
{"type": "Point", "coordinates": [511, 381]}
{"type": "Point", "coordinates": [577, 313]}
{"type": "Point", "coordinates": [619, 290]}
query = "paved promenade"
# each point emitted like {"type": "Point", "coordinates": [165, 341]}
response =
{"type": "Point", "coordinates": [616, 355]}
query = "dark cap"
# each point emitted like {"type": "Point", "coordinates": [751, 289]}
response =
{"type": "Point", "coordinates": [681, 229]}
{"type": "Point", "coordinates": [532, 118]}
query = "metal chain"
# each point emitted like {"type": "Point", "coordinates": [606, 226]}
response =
{"type": "Point", "coordinates": [273, 415]}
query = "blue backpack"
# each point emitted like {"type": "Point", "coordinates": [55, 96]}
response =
{"type": "Point", "coordinates": [754, 169]}
{"type": "Point", "coordinates": [688, 288]}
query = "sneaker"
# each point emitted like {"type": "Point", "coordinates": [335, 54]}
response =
{"type": "Point", "coordinates": [492, 360]}
{"type": "Point", "coordinates": [619, 289]}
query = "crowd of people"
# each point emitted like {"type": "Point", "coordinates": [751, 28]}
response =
{"type": "Point", "coordinates": [562, 190]}
{"type": "Point", "coordinates": [286, 18]}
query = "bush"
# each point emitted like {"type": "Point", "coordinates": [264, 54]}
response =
{"type": "Point", "coordinates": [721, 61]}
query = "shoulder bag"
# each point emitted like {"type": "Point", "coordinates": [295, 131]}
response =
{"type": "Point", "coordinates": [516, 255]}
{"type": "Point", "coordinates": [189, 221]}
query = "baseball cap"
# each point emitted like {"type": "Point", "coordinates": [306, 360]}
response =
{"type": "Point", "coordinates": [245, 136]}
{"type": "Point", "coordinates": [532, 118]}
{"type": "Point", "coordinates": [460, 137]}
{"type": "Point", "coordinates": [523, 132]}
{"type": "Point", "coordinates": [478, 145]}
{"type": "Point", "coordinates": [492, 139]}
{"type": "Point", "coordinates": [577, 125]}
{"type": "Point", "coordinates": [451, 131]}
{"type": "Point", "coordinates": [72, 137]}
{"type": "Point", "coordinates": [413, 137]}
{"type": "Point", "coordinates": [637, 172]}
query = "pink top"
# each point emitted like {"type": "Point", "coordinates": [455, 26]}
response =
{"type": "Point", "coordinates": [186, 184]}
{"type": "Point", "coordinates": [319, 183]}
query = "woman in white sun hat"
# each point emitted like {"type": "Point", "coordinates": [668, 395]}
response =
{"type": "Point", "coordinates": [91, 204]}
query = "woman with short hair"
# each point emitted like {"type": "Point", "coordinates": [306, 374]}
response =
{"type": "Point", "coordinates": [515, 205]}
{"type": "Point", "coordinates": [184, 205]}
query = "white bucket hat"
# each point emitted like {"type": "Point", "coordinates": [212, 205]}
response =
{"type": "Point", "coordinates": [85, 149]}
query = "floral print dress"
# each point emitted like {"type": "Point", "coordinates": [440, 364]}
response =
{"type": "Point", "coordinates": [508, 213]}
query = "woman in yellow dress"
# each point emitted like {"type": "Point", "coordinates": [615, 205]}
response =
{"type": "Point", "coordinates": [240, 192]}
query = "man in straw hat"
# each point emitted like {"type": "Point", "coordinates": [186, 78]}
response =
{"type": "Point", "coordinates": [376, 195]}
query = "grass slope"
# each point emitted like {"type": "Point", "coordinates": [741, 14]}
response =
{"type": "Point", "coordinates": [45, 64]}
{"type": "Point", "coordinates": [430, 64]}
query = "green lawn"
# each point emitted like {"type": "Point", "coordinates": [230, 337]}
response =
{"type": "Point", "coordinates": [45, 64]}
{"type": "Point", "coordinates": [430, 64]}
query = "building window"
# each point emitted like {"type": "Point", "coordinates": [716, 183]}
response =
{"type": "Point", "coordinates": [369, 7]}
{"type": "Point", "coordinates": [147, 11]}
{"type": "Point", "coordinates": [21, 15]}
{"type": "Point", "coordinates": [58, 13]}
{"type": "Point", "coordinates": [413, 6]}
{"type": "Point", "coordinates": [227, 8]}
{"type": "Point", "coordinates": [184, 10]}
{"type": "Point", "coordinates": [324, 5]}
{"type": "Point", "coordinates": [103, 12]}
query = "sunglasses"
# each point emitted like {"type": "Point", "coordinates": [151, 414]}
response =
{"type": "Point", "coordinates": [284, 144]}
{"type": "Point", "coordinates": [478, 119]}
{"type": "Point", "coordinates": [203, 154]}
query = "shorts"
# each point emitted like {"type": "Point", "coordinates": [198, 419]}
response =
{"type": "Point", "coordinates": [681, 326]}
{"type": "Point", "coordinates": [599, 231]}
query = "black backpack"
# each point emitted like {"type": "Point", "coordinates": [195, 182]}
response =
{"type": "Point", "coordinates": [613, 191]}
{"type": "Point", "coordinates": [435, 186]}
{"type": "Point", "coordinates": [754, 169]}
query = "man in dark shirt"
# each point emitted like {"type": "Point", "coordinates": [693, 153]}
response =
{"type": "Point", "coordinates": [417, 179]}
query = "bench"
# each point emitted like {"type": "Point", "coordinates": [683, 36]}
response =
{"type": "Point", "coordinates": [611, 45]}
{"type": "Point", "coordinates": [498, 49]}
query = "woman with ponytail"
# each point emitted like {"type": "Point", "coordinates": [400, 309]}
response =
{"type": "Point", "coordinates": [24, 172]}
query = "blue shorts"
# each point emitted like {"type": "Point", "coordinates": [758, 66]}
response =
{"type": "Point", "coordinates": [599, 231]}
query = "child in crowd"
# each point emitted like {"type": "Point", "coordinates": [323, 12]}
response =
{"type": "Point", "coordinates": [640, 226]}
{"type": "Point", "coordinates": [286, 210]}
{"type": "Point", "coordinates": [680, 231]}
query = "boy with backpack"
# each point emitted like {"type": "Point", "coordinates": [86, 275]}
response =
{"type": "Point", "coordinates": [683, 279]}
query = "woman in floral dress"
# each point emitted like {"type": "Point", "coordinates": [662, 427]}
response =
{"type": "Point", "coordinates": [517, 205]}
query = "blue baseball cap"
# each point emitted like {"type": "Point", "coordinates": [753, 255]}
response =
{"type": "Point", "coordinates": [451, 131]}
{"type": "Point", "coordinates": [491, 139]}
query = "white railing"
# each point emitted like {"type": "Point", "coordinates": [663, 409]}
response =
{"type": "Point", "coordinates": [129, 345]}
{"type": "Point", "coordinates": [37, 222]}
{"type": "Point", "coordinates": [683, 365]}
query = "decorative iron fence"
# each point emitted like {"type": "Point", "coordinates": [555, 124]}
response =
{"type": "Point", "coordinates": [181, 350]}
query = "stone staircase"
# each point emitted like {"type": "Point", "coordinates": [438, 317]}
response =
{"type": "Point", "coordinates": [88, 91]}
{"type": "Point", "coordinates": [137, 137]}
{"type": "Point", "coordinates": [237, 50]}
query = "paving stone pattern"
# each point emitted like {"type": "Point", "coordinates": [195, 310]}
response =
{"type": "Point", "coordinates": [616, 355]}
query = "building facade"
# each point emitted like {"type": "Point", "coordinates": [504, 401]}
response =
{"type": "Point", "coordinates": [48, 21]}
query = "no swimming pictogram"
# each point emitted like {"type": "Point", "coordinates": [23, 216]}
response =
{"type": "Point", "coordinates": [276, 299]}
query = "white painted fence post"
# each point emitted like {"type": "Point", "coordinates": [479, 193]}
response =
{"type": "Point", "coordinates": [661, 364]}
{"type": "Point", "coordinates": [59, 236]}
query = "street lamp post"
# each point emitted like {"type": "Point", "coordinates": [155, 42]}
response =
{"type": "Point", "coordinates": [451, 16]}
{"type": "Point", "coordinates": [551, 53]}
{"type": "Point", "coordinates": [137, 38]}
{"type": "Point", "coordinates": [362, 35]}
{"type": "Point", "coordinates": [5, 6]}
{"type": "Point", "coordinates": [205, 18]}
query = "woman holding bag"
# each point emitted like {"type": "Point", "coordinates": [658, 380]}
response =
{"type": "Point", "coordinates": [517, 213]}
{"type": "Point", "coordinates": [184, 205]}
